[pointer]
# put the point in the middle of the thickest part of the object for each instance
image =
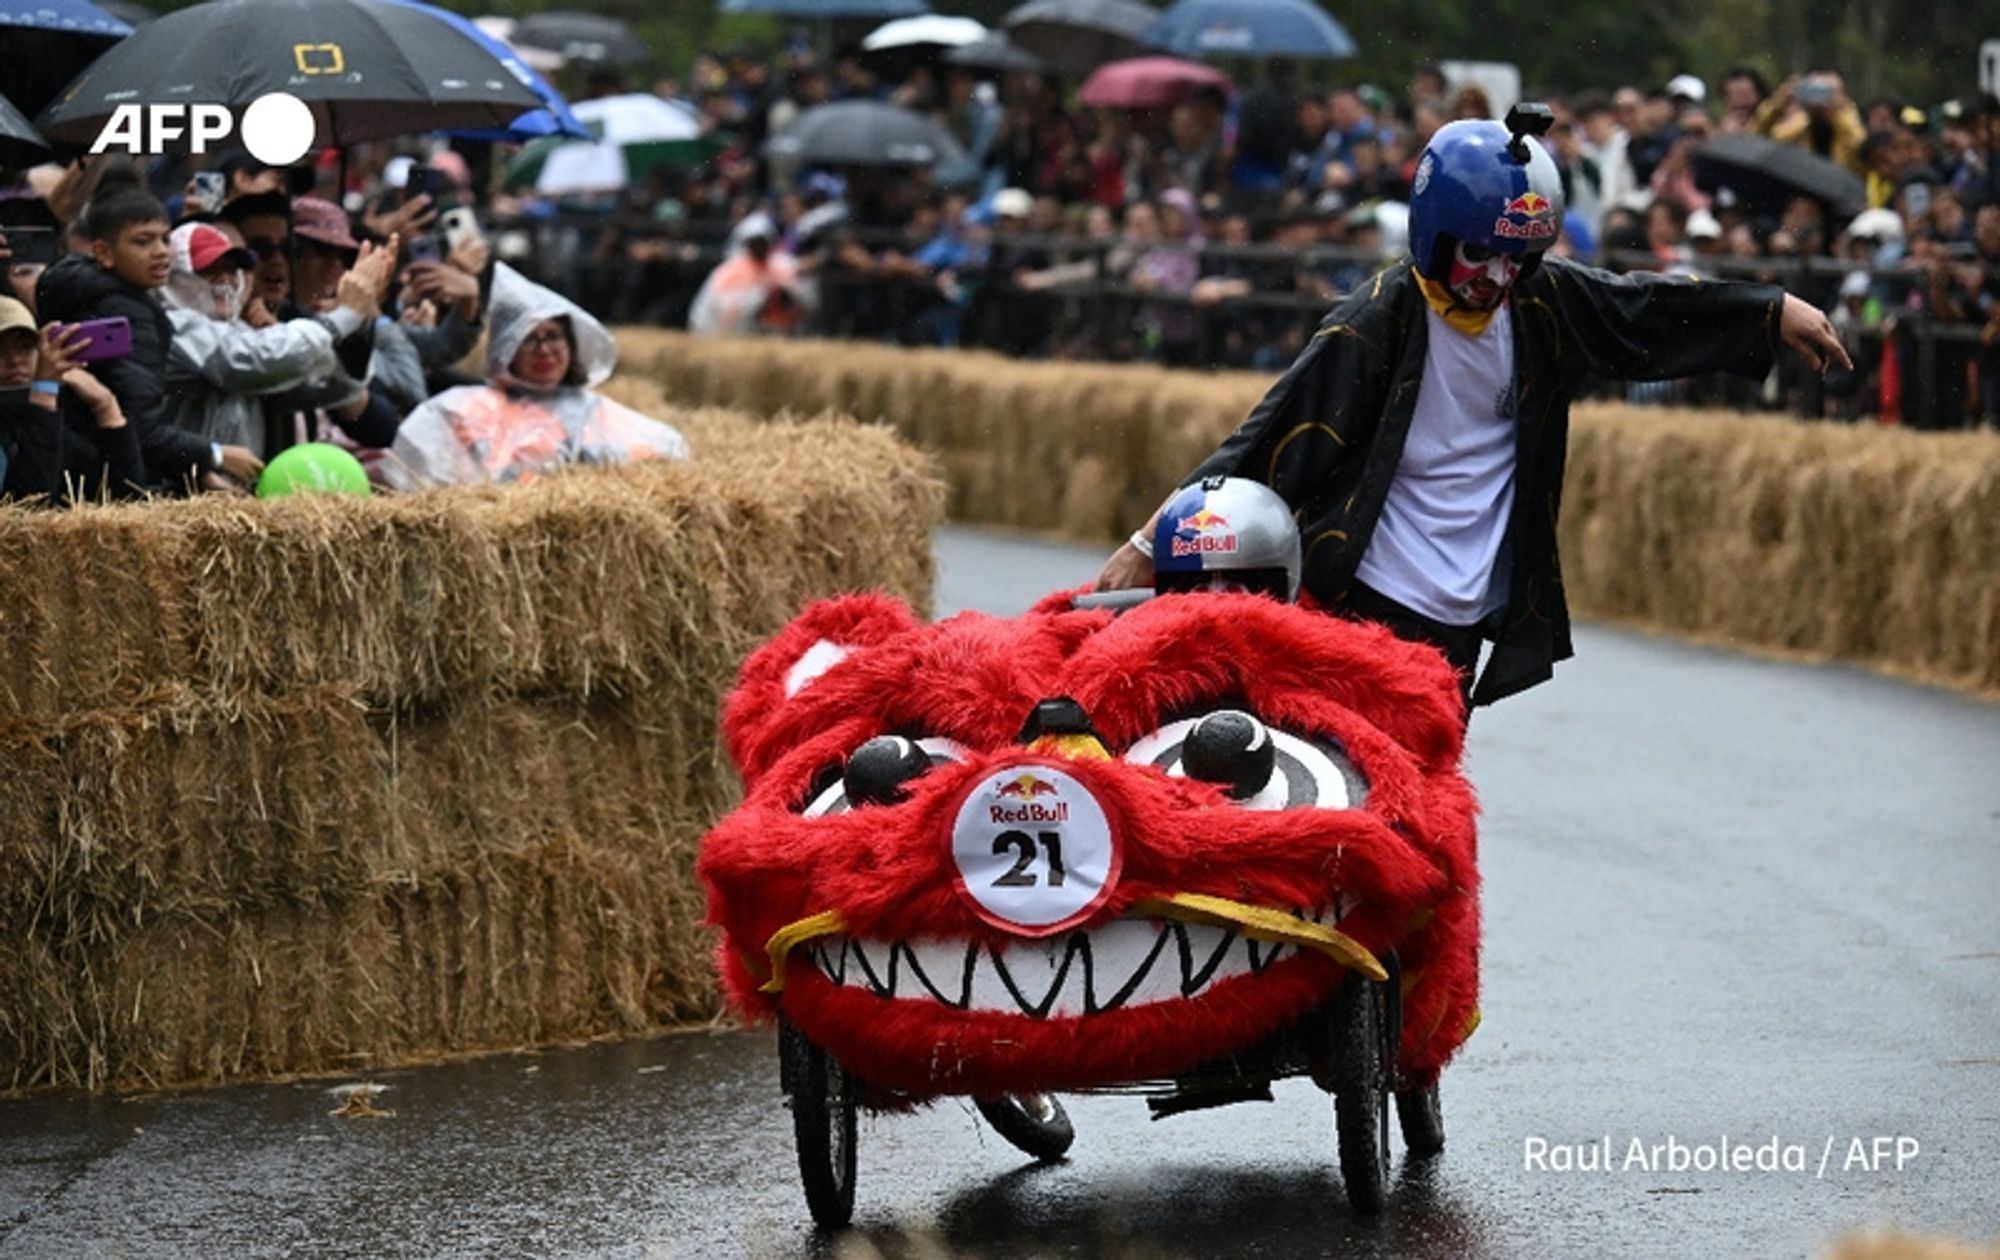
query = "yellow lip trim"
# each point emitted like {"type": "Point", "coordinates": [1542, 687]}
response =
{"type": "Point", "coordinates": [1262, 924]}
{"type": "Point", "coordinates": [1255, 922]}
{"type": "Point", "coordinates": [825, 923]}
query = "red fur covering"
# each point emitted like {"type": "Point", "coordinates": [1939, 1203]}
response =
{"type": "Point", "coordinates": [1408, 853]}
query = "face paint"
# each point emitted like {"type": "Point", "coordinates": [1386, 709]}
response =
{"type": "Point", "coordinates": [1480, 278]}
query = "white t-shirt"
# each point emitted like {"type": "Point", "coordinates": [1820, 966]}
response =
{"type": "Point", "coordinates": [1436, 547]}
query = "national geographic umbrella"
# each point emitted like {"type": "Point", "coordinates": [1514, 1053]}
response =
{"type": "Point", "coordinates": [367, 69]}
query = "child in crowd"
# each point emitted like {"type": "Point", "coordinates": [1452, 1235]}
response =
{"type": "Point", "coordinates": [130, 258]}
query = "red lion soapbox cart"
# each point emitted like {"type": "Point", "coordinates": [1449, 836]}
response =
{"type": "Point", "coordinates": [1184, 851]}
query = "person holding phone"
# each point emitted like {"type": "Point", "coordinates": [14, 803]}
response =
{"type": "Point", "coordinates": [128, 262]}
{"type": "Point", "coordinates": [221, 367]}
{"type": "Point", "coordinates": [41, 458]}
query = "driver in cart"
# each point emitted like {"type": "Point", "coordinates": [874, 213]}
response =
{"type": "Point", "coordinates": [1419, 438]}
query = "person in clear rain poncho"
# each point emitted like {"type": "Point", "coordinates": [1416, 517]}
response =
{"type": "Point", "coordinates": [538, 409]}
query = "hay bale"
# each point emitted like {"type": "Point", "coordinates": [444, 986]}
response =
{"type": "Point", "coordinates": [1874, 545]}
{"type": "Point", "coordinates": [385, 778]}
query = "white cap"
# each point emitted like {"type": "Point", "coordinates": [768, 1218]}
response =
{"type": "Point", "coordinates": [1877, 225]}
{"type": "Point", "coordinates": [1703, 226]}
{"type": "Point", "coordinates": [396, 171]}
{"type": "Point", "coordinates": [1013, 203]}
{"type": "Point", "coordinates": [1855, 285]}
{"type": "Point", "coordinates": [1687, 85]}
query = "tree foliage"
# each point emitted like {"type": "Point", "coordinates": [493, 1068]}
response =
{"type": "Point", "coordinates": [1922, 51]}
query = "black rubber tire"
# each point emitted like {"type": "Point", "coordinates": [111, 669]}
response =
{"type": "Point", "coordinates": [1361, 1105]}
{"type": "Point", "coordinates": [1420, 1115]}
{"type": "Point", "coordinates": [822, 1100]}
{"type": "Point", "coordinates": [1046, 1138]}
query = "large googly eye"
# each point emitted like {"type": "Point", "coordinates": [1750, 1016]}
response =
{"type": "Point", "coordinates": [877, 772]}
{"type": "Point", "coordinates": [1259, 766]}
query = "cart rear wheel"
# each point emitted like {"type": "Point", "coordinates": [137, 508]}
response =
{"type": "Point", "coordinates": [1421, 1116]}
{"type": "Point", "coordinates": [822, 1098]}
{"type": "Point", "coordinates": [1361, 1101]}
{"type": "Point", "coordinates": [1036, 1124]}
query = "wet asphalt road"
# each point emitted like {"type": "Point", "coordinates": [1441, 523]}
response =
{"type": "Point", "coordinates": [1725, 898]}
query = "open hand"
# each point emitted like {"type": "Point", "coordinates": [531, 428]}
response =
{"type": "Point", "coordinates": [1806, 329]}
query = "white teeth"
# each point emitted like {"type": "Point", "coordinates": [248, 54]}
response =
{"type": "Point", "coordinates": [1129, 962]}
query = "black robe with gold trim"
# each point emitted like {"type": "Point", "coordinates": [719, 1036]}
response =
{"type": "Point", "coordinates": [1330, 433]}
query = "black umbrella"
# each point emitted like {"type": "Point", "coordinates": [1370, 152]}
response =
{"type": "Point", "coordinates": [1764, 174]}
{"type": "Point", "coordinates": [995, 53]}
{"type": "Point", "coordinates": [368, 69]}
{"type": "Point", "coordinates": [580, 37]}
{"type": "Point", "coordinates": [1080, 35]}
{"type": "Point", "coordinates": [864, 133]}
{"type": "Point", "coordinates": [20, 143]}
{"type": "Point", "coordinates": [44, 43]}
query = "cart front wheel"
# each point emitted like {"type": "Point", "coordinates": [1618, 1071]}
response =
{"type": "Point", "coordinates": [1036, 1124]}
{"type": "Point", "coordinates": [822, 1098]}
{"type": "Point", "coordinates": [1361, 1102]}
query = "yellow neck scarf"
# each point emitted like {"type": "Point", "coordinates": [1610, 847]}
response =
{"type": "Point", "coordinates": [1464, 318]}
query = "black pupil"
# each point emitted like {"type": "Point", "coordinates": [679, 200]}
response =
{"type": "Point", "coordinates": [877, 770]}
{"type": "Point", "coordinates": [1232, 749]}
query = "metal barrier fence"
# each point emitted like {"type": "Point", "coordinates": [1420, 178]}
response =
{"type": "Point", "coordinates": [1078, 302]}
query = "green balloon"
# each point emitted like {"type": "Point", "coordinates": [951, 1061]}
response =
{"type": "Point", "coordinates": [314, 468]}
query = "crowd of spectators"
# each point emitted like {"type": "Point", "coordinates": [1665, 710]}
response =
{"type": "Point", "coordinates": [331, 303]}
{"type": "Point", "coordinates": [1215, 229]}
{"type": "Point", "coordinates": [158, 345]}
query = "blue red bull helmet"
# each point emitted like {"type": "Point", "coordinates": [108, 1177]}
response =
{"type": "Point", "coordinates": [1487, 185]}
{"type": "Point", "coordinates": [1227, 534]}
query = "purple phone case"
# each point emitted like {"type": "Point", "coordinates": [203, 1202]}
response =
{"type": "Point", "coordinates": [109, 339]}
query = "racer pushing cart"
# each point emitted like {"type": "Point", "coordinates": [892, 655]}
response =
{"type": "Point", "coordinates": [1216, 839]}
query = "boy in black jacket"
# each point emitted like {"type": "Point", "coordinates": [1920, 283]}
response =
{"type": "Point", "coordinates": [129, 258]}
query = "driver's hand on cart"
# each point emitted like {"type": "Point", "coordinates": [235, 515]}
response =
{"type": "Point", "coordinates": [1125, 570]}
{"type": "Point", "coordinates": [1129, 568]}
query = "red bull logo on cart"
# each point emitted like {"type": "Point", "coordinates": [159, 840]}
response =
{"type": "Point", "coordinates": [1028, 789]}
{"type": "Point", "coordinates": [1528, 217]}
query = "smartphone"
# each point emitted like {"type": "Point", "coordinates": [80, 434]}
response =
{"type": "Point", "coordinates": [30, 246]}
{"type": "Point", "coordinates": [424, 181]}
{"type": "Point", "coordinates": [459, 226]}
{"type": "Point", "coordinates": [426, 249]}
{"type": "Point", "coordinates": [109, 339]}
{"type": "Point", "coordinates": [205, 197]}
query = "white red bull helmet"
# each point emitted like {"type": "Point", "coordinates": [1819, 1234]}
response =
{"type": "Point", "coordinates": [1227, 534]}
{"type": "Point", "coordinates": [1486, 184]}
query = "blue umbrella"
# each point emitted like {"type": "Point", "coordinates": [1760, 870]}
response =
{"type": "Point", "coordinates": [78, 17]}
{"type": "Point", "coordinates": [830, 8]}
{"type": "Point", "coordinates": [553, 119]}
{"type": "Point", "coordinates": [1250, 28]}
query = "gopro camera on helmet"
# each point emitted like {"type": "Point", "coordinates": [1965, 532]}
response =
{"type": "Point", "coordinates": [1227, 534]}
